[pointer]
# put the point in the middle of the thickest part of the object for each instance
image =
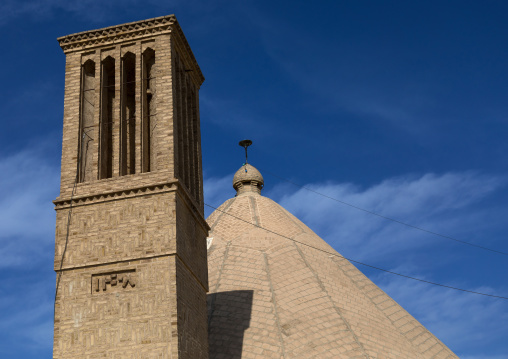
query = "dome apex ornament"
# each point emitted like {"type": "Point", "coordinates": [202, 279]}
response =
{"type": "Point", "coordinates": [245, 144]}
{"type": "Point", "coordinates": [248, 180]}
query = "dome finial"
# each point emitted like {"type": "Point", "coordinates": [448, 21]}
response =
{"type": "Point", "coordinates": [245, 144]}
{"type": "Point", "coordinates": [247, 179]}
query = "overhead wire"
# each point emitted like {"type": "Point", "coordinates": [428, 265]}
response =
{"type": "Point", "coordinates": [356, 261]}
{"type": "Point", "coordinates": [123, 83]}
{"type": "Point", "coordinates": [388, 218]}
{"type": "Point", "coordinates": [59, 275]}
{"type": "Point", "coordinates": [124, 120]}
{"type": "Point", "coordinates": [86, 129]}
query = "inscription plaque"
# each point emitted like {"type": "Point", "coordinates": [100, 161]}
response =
{"type": "Point", "coordinates": [112, 281]}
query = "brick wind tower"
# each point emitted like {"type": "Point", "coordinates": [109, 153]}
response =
{"type": "Point", "coordinates": [130, 251]}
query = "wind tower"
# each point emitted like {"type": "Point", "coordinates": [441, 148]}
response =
{"type": "Point", "coordinates": [130, 251]}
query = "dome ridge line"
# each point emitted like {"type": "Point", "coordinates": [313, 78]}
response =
{"type": "Point", "coordinates": [274, 301]}
{"type": "Point", "coordinates": [222, 213]}
{"type": "Point", "coordinates": [386, 298]}
{"type": "Point", "coordinates": [212, 304]}
{"type": "Point", "coordinates": [292, 219]}
{"type": "Point", "coordinates": [247, 248]}
{"type": "Point", "coordinates": [303, 284]}
{"type": "Point", "coordinates": [337, 310]}
{"type": "Point", "coordinates": [255, 212]}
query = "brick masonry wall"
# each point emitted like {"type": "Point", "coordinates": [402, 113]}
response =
{"type": "Point", "coordinates": [117, 230]}
{"type": "Point", "coordinates": [192, 316]}
{"type": "Point", "coordinates": [118, 322]}
{"type": "Point", "coordinates": [133, 280]}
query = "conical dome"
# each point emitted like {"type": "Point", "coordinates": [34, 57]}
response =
{"type": "Point", "coordinates": [271, 297]}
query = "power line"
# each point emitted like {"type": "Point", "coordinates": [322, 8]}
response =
{"type": "Point", "coordinates": [59, 275]}
{"type": "Point", "coordinates": [120, 121]}
{"type": "Point", "coordinates": [388, 218]}
{"type": "Point", "coordinates": [355, 261]}
{"type": "Point", "coordinates": [80, 160]}
{"type": "Point", "coordinates": [123, 83]}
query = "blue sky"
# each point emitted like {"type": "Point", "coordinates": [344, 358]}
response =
{"type": "Point", "coordinates": [396, 107]}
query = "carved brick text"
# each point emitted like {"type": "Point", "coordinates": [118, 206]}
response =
{"type": "Point", "coordinates": [110, 281]}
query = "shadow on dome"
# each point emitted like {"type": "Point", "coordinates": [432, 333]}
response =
{"type": "Point", "coordinates": [229, 315]}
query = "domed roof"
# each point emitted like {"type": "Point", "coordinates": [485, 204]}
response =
{"type": "Point", "coordinates": [272, 297]}
{"type": "Point", "coordinates": [248, 176]}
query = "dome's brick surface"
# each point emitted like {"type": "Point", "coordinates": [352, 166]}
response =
{"type": "Point", "coordinates": [271, 297]}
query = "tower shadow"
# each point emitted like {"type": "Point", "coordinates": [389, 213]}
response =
{"type": "Point", "coordinates": [229, 316]}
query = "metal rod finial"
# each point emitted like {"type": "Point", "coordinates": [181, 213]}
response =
{"type": "Point", "coordinates": [245, 144]}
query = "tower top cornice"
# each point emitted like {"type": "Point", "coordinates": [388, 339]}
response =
{"type": "Point", "coordinates": [138, 30]}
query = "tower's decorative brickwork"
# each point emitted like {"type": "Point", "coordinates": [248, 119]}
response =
{"type": "Point", "coordinates": [130, 250]}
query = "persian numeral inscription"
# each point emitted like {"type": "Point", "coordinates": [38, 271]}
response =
{"type": "Point", "coordinates": [113, 281]}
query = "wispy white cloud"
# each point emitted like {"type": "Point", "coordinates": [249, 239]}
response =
{"type": "Point", "coordinates": [226, 113]}
{"type": "Point", "coordinates": [439, 203]}
{"type": "Point", "coordinates": [90, 10]}
{"type": "Point", "coordinates": [30, 181]}
{"type": "Point", "coordinates": [217, 190]}
{"type": "Point", "coordinates": [231, 115]}
{"type": "Point", "coordinates": [27, 223]}
{"type": "Point", "coordinates": [26, 212]}
{"type": "Point", "coordinates": [27, 313]}
{"type": "Point", "coordinates": [31, 314]}
{"type": "Point", "coordinates": [445, 203]}
{"type": "Point", "coordinates": [461, 320]}
{"type": "Point", "coordinates": [351, 83]}
{"type": "Point", "coordinates": [449, 203]}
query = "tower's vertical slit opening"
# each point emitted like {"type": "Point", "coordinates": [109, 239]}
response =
{"type": "Point", "coordinates": [185, 129]}
{"type": "Point", "coordinates": [195, 146]}
{"type": "Point", "coordinates": [106, 123]}
{"type": "Point", "coordinates": [86, 125]}
{"type": "Point", "coordinates": [179, 118]}
{"type": "Point", "coordinates": [190, 135]}
{"type": "Point", "coordinates": [149, 124]}
{"type": "Point", "coordinates": [128, 124]}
